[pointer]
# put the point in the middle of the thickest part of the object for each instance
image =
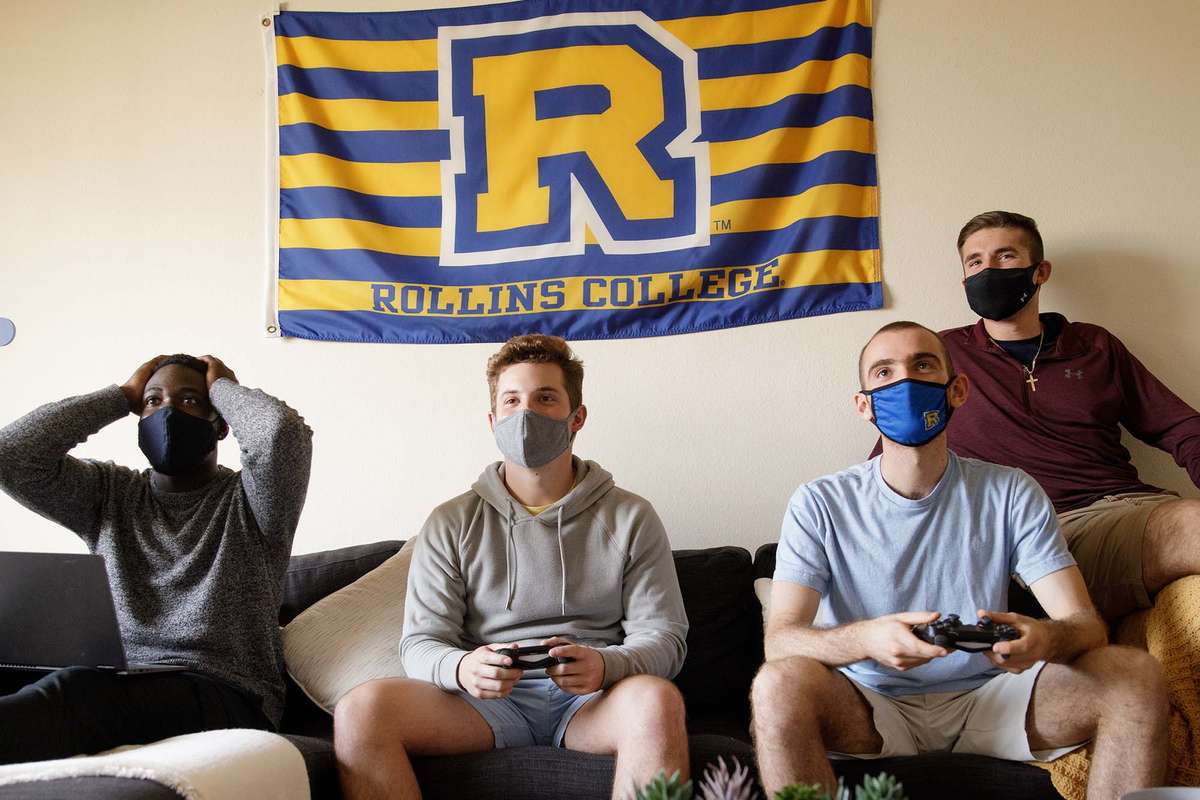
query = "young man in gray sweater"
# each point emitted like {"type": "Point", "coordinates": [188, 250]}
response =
{"type": "Point", "coordinates": [544, 549]}
{"type": "Point", "coordinates": [195, 555]}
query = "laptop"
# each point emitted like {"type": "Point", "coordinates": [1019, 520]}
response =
{"type": "Point", "coordinates": [56, 610]}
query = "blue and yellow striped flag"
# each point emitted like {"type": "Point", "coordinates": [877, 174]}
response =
{"type": "Point", "coordinates": [590, 168]}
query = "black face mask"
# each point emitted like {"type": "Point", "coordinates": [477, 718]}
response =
{"type": "Point", "coordinates": [175, 442]}
{"type": "Point", "coordinates": [997, 294]}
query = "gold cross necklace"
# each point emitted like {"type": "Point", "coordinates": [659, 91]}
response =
{"type": "Point", "coordinates": [1029, 376]}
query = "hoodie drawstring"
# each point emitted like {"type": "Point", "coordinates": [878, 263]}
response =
{"type": "Point", "coordinates": [510, 578]}
{"type": "Point", "coordinates": [509, 581]}
{"type": "Point", "coordinates": [562, 561]}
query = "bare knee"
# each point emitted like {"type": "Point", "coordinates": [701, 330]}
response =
{"type": "Point", "coordinates": [788, 687]}
{"type": "Point", "coordinates": [1188, 513]}
{"type": "Point", "coordinates": [788, 676]}
{"type": "Point", "coordinates": [653, 702]}
{"type": "Point", "coordinates": [1141, 675]}
{"type": "Point", "coordinates": [360, 715]}
{"type": "Point", "coordinates": [1129, 678]}
{"type": "Point", "coordinates": [1170, 521]}
{"type": "Point", "coordinates": [1171, 548]}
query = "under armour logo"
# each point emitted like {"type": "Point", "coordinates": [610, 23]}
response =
{"type": "Point", "coordinates": [1073, 373]}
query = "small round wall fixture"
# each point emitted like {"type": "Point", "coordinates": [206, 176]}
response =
{"type": "Point", "coordinates": [8, 331]}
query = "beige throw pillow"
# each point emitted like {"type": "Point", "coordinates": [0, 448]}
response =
{"type": "Point", "coordinates": [762, 588]}
{"type": "Point", "coordinates": [351, 636]}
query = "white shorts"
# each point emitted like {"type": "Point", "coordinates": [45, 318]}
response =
{"type": "Point", "coordinates": [988, 721]}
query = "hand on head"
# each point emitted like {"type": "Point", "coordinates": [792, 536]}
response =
{"type": "Point", "coordinates": [135, 387]}
{"type": "Point", "coordinates": [217, 369]}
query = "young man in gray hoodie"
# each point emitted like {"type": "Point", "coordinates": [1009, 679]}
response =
{"type": "Point", "coordinates": [544, 549]}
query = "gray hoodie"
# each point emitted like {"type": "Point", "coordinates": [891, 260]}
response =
{"type": "Point", "coordinates": [595, 567]}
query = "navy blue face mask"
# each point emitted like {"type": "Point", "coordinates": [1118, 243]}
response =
{"type": "Point", "coordinates": [175, 442]}
{"type": "Point", "coordinates": [910, 412]}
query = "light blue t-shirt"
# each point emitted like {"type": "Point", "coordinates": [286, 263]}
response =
{"type": "Point", "coordinates": [871, 552]}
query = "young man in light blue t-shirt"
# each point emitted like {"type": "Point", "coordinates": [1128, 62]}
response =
{"type": "Point", "coordinates": [869, 552]}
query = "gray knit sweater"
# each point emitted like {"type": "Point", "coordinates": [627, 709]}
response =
{"type": "Point", "coordinates": [197, 576]}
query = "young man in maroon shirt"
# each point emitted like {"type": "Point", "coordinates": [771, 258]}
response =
{"type": "Point", "coordinates": [1050, 397]}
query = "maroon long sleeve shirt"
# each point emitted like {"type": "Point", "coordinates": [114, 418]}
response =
{"type": "Point", "coordinates": [1067, 433]}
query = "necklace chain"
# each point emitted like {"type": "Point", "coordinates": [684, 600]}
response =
{"type": "Point", "coordinates": [1029, 378]}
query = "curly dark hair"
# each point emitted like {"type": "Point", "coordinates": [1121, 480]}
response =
{"type": "Point", "coordinates": [184, 360]}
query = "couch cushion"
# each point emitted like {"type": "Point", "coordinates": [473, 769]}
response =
{"type": "Point", "coordinates": [96, 788]}
{"type": "Point", "coordinates": [764, 560]}
{"type": "Point", "coordinates": [734, 724]}
{"type": "Point", "coordinates": [724, 629]}
{"type": "Point", "coordinates": [527, 773]}
{"type": "Point", "coordinates": [949, 776]}
{"type": "Point", "coordinates": [311, 576]}
{"type": "Point", "coordinates": [552, 773]}
{"type": "Point", "coordinates": [351, 636]}
{"type": "Point", "coordinates": [322, 767]}
{"type": "Point", "coordinates": [301, 716]}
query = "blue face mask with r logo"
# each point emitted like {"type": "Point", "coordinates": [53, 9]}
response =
{"type": "Point", "coordinates": [910, 412]}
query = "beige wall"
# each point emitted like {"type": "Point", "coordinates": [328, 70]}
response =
{"type": "Point", "coordinates": [132, 197]}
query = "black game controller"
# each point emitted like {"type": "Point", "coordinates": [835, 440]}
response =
{"type": "Point", "coordinates": [521, 660]}
{"type": "Point", "coordinates": [950, 632]}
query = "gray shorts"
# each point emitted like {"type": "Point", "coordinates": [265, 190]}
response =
{"type": "Point", "coordinates": [987, 721]}
{"type": "Point", "coordinates": [535, 712]}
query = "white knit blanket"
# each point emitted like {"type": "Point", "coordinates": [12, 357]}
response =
{"type": "Point", "coordinates": [214, 765]}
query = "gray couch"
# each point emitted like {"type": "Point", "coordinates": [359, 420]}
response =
{"type": "Point", "coordinates": [724, 651]}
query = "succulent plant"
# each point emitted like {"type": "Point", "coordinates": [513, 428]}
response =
{"type": "Point", "coordinates": [811, 791]}
{"type": "Point", "coordinates": [802, 791]}
{"type": "Point", "coordinates": [723, 783]}
{"type": "Point", "coordinates": [663, 788]}
{"type": "Point", "coordinates": [880, 787]}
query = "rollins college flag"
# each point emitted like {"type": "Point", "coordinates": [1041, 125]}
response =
{"type": "Point", "coordinates": [588, 168]}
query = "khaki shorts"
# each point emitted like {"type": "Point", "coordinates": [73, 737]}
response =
{"type": "Point", "coordinates": [986, 721]}
{"type": "Point", "coordinates": [1106, 540]}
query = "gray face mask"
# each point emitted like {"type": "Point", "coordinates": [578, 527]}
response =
{"type": "Point", "coordinates": [532, 440]}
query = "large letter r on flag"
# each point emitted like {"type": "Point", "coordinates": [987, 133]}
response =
{"type": "Point", "coordinates": [563, 125]}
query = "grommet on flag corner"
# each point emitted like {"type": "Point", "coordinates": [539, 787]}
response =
{"type": "Point", "coordinates": [266, 22]}
{"type": "Point", "coordinates": [272, 329]}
